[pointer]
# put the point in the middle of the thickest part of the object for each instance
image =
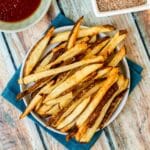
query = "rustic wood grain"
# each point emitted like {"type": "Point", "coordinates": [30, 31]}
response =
{"type": "Point", "coordinates": [132, 127]}
{"type": "Point", "coordinates": [13, 133]}
{"type": "Point", "coordinates": [130, 130]}
{"type": "Point", "coordinates": [143, 21]}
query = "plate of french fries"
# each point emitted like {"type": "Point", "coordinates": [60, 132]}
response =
{"type": "Point", "coordinates": [75, 80]}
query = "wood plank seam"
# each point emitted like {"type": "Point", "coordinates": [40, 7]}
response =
{"type": "Point", "coordinates": [60, 7]}
{"type": "Point", "coordinates": [141, 36]}
{"type": "Point", "coordinates": [110, 141]}
{"type": "Point", "coordinates": [41, 137]}
{"type": "Point", "coordinates": [14, 65]}
{"type": "Point", "coordinates": [9, 51]}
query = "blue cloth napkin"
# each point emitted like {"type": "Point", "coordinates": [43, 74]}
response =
{"type": "Point", "coordinates": [12, 89]}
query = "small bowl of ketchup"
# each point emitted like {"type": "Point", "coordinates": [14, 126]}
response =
{"type": "Point", "coordinates": [17, 15]}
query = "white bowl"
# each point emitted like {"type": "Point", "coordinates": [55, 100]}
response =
{"type": "Point", "coordinates": [28, 22]}
{"type": "Point", "coordinates": [98, 13]}
{"type": "Point", "coordinates": [124, 67]}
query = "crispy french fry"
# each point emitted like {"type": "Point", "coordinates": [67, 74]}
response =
{"type": "Point", "coordinates": [75, 113]}
{"type": "Point", "coordinates": [55, 105]}
{"type": "Point", "coordinates": [56, 52]}
{"type": "Point", "coordinates": [103, 72]}
{"type": "Point", "coordinates": [74, 33]}
{"type": "Point", "coordinates": [75, 103]}
{"type": "Point", "coordinates": [43, 109]}
{"type": "Point", "coordinates": [76, 50]}
{"type": "Point", "coordinates": [83, 40]}
{"type": "Point", "coordinates": [33, 88]}
{"type": "Point", "coordinates": [109, 48]}
{"type": "Point", "coordinates": [36, 52]}
{"type": "Point", "coordinates": [38, 105]}
{"type": "Point", "coordinates": [69, 126]}
{"type": "Point", "coordinates": [112, 78]}
{"type": "Point", "coordinates": [48, 73]}
{"type": "Point", "coordinates": [114, 105]}
{"type": "Point", "coordinates": [118, 57]}
{"type": "Point", "coordinates": [90, 132]}
{"type": "Point", "coordinates": [73, 80]}
{"type": "Point", "coordinates": [59, 100]}
{"type": "Point", "coordinates": [50, 56]}
{"type": "Point", "coordinates": [54, 110]}
{"type": "Point", "coordinates": [99, 45]}
{"type": "Point", "coordinates": [96, 100]}
{"type": "Point", "coordinates": [92, 118]}
{"type": "Point", "coordinates": [59, 37]}
{"type": "Point", "coordinates": [93, 39]}
{"type": "Point", "coordinates": [45, 90]}
{"type": "Point", "coordinates": [60, 104]}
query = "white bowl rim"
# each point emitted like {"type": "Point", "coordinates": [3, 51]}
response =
{"type": "Point", "coordinates": [115, 114]}
{"type": "Point", "coordinates": [30, 25]}
{"type": "Point", "coordinates": [99, 13]}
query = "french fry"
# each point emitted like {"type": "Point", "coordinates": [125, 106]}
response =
{"type": "Point", "coordinates": [92, 118]}
{"type": "Point", "coordinates": [96, 99]}
{"type": "Point", "coordinates": [53, 110]}
{"type": "Point", "coordinates": [60, 37]}
{"type": "Point", "coordinates": [55, 105]}
{"type": "Point", "coordinates": [59, 100]}
{"type": "Point", "coordinates": [114, 105]}
{"type": "Point", "coordinates": [75, 103]}
{"type": "Point", "coordinates": [43, 109]}
{"type": "Point", "coordinates": [48, 73]}
{"type": "Point", "coordinates": [99, 45]}
{"type": "Point", "coordinates": [76, 50]}
{"type": "Point", "coordinates": [75, 113]}
{"type": "Point", "coordinates": [118, 37]}
{"type": "Point", "coordinates": [112, 78]}
{"type": "Point", "coordinates": [74, 33]}
{"type": "Point", "coordinates": [33, 88]}
{"type": "Point", "coordinates": [83, 40]}
{"type": "Point", "coordinates": [45, 90]}
{"type": "Point", "coordinates": [118, 57]}
{"type": "Point", "coordinates": [37, 52]}
{"type": "Point", "coordinates": [73, 80]}
{"type": "Point", "coordinates": [38, 105]}
{"type": "Point", "coordinates": [90, 132]}
{"type": "Point", "coordinates": [93, 39]}
{"type": "Point", "coordinates": [50, 56]}
{"type": "Point", "coordinates": [61, 104]}
{"type": "Point", "coordinates": [69, 126]}
{"type": "Point", "coordinates": [103, 72]}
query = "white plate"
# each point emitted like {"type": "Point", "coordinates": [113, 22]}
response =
{"type": "Point", "coordinates": [125, 70]}
{"type": "Point", "coordinates": [28, 22]}
{"type": "Point", "coordinates": [98, 13]}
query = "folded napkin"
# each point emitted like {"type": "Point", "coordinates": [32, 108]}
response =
{"type": "Point", "coordinates": [12, 89]}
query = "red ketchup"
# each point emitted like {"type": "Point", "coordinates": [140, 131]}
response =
{"type": "Point", "coordinates": [17, 10]}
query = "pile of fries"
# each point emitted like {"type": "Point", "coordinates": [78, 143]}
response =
{"type": "Point", "coordinates": [77, 86]}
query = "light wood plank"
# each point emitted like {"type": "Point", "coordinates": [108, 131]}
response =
{"type": "Point", "coordinates": [19, 44]}
{"type": "Point", "coordinates": [13, 133]}
{"type": "Point", "coordinates": [130, 130]}
{"type": "Point", "coordinates": [143, 20]}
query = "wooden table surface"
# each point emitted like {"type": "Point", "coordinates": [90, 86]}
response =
{"type": "Point", "coordinates": [131, 129]}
